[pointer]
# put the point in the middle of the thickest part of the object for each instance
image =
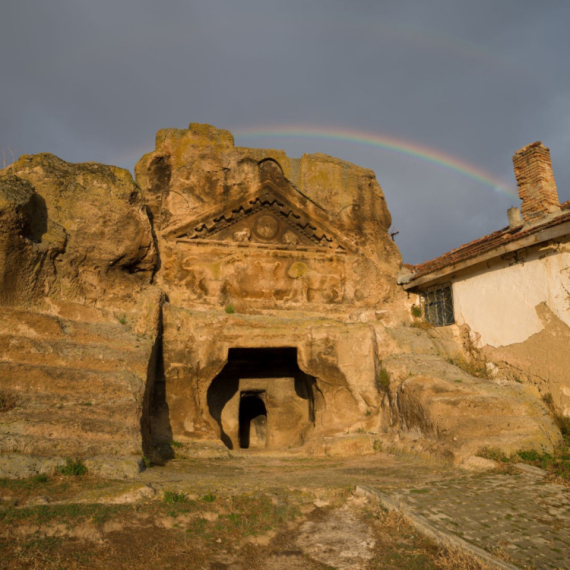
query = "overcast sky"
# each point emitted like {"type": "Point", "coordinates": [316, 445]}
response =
{"type": "Point", "coordinates": [471, 80]}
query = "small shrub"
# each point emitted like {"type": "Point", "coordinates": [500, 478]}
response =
{"type": "Point", "coordinates": [383, 380]}
{"type": "Point", "coordinates": [72, 468]}
{"type": "Point", "coordinates": [147, 462]}
{"type": "Point", "coordinates": [176, 444]}
{"type": "Point", "coordinates": [122, 319]}
{"type": "Point", "coordinates": [230, 309]}
{"type": "Point", "coordinates": [209, 498]}
{"type": "Point", "coordinates": [40, 478]}
{"type": "Point", "coordinates": [494, 453]}
{"type": "Point", "coordinates": [416, 312]}
{"type": "Point", "coordinates": [7, 402]}
{"type": "Point", "coordinates": [473, 368]}
{"type": "Point", "coordinates": [172, 497]}
{"type": "Point", "coordinates": [377, 445]}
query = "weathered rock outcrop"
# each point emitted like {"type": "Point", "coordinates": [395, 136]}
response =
{"type": "Point", "coordinates": [260, 230]}
{"type": "Point", "coordinates": [88, 228]}
{"type": "Point", "coordinates": [230, 295]}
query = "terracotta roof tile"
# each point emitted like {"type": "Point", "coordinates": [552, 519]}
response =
{"type": "Point", "coordinates": [487, 243]}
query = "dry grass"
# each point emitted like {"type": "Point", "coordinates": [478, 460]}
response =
{"type": "Point", "coordinates": [7, 402]}
{"type": "Point", "coordinates": [429, 554]}
{"type": "Point", "coordinates": [471, 367]}
{"type": "Point", "coordinates": [455, 559]}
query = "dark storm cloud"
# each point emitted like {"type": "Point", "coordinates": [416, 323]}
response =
{"type": "Point", "coordinates": [475, 80]}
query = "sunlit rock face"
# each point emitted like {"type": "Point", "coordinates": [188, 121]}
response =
{"type": "Point", "coordinates": [229, 298]}
{"type": "Point", "coordinates": [260, 231]}
{"type": "Point", "coordinates": [256, 250]}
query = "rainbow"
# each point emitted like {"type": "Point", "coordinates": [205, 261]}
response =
{"type": "Point", "coordinates": [390, 144]}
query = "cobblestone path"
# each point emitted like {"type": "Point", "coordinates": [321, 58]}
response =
{"type": "Point", "coordinates": [520, 515]}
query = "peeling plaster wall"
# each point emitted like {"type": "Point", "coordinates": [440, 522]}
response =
{"type": "Point", "coordinates": [499, 301]}
{"type": "Point", "coordinates": [518, 310]}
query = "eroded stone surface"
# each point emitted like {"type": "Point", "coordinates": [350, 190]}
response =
{"type": "Point", "coordinates": [230, 298]}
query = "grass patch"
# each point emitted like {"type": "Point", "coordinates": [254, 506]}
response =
{"type": "Point", "coordinates": [495, 454]}
{"type": "Point", "coordinates": [171, 497]}
{"type": "Point", "coordinates": [230, 309]}
{"type": "Point", "coordinates": [72, 468]}
{"type": "Point", "coordinates": [68, 513]}
{"type": "Point", "coordinates": [209, 498]}
{"type": "Point", "coordinates": [176, 444]}
{"type": "Point", "coordinates": [557, 463]}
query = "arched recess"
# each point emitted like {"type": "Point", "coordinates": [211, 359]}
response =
{"type": "Point", "coordinates": [288, 394]}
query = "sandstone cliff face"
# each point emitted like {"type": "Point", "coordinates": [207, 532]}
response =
{"type": "Point", "coordinates": [261, 231]}
{"type": "Point", "coordinates": [25, 263]}
{"type": "Point", "coordinates": [228, 282]}
{"type": "Point", "coordinates": [88, 225]}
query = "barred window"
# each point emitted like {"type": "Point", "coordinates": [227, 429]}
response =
{"type": "Point", "coordinates": [438, 305]}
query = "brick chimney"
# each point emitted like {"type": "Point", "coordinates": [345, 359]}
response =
{"type": "Point", "coordinates": [537, 187]}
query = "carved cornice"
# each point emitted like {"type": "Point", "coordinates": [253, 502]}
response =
{"type": "Point", "coordinates": [209, 226]}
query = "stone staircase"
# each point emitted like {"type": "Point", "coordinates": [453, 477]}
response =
{"type": "Point", "coordinates": [79, 388]}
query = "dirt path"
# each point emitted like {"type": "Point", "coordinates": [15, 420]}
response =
{"type": "Point", "coordinates": [256, 512]}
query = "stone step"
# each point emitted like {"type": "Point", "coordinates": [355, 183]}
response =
{"type": "Point", "coordinates": [27, 381]}
{"type": "Point", "coordinates": [63, 425]}
{"type": "Point", "coordinates": [41, 326]}
{"type": "Point", "coordinates": [78, 387]}
{"type": "Point", "coordinates": [49, 409]}
{"type": "Point", "coordinates": [69, 446]}
{"type": "Point", "coordinates": [69, 354]}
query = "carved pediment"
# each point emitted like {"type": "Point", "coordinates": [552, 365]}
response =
{"type": "Point", "coordinates": [266, 219]}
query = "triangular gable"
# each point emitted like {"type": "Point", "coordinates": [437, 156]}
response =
{"type": "Point", "coordinates": [268, 218]}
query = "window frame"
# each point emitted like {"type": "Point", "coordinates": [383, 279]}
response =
{"type": "Point", "coordinates": [437, 305]}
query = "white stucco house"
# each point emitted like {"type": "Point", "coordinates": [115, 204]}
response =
{"type": "Point", "coordinates": [512, 287]}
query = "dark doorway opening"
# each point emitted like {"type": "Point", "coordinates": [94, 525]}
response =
{"type": "Point", "coordinates": [252, 419]}
{"type": "Point", "coordinates": [256, 363]}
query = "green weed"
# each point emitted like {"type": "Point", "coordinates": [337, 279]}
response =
{"type": "Point", "coordinates": [230, 309]}
{"type": "Point", "coordinates": [383, 380]}
{"type": "Point", "coordinates": [416, 311]}
{"type": "Point", "coordinates": [172, 497]}
{"type": "Point", "coordinates": [209, 498]}
{"type": "Point", "coordinates": [72, 468]}
{"type": "Point", "coordinates": [495, 454]}
{"type": "Point", "coordinates": [40, 478]}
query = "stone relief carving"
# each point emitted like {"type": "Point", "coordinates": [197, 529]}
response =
{"type": "Point", "coordinates": [274, 280]}
{"type": "Point", "coordinates": [242, 236]}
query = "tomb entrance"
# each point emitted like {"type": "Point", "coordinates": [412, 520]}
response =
{"type": "Point", "coordinates": [252, 419]}
{"type": "Point", "coordinates": [262, 399]}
